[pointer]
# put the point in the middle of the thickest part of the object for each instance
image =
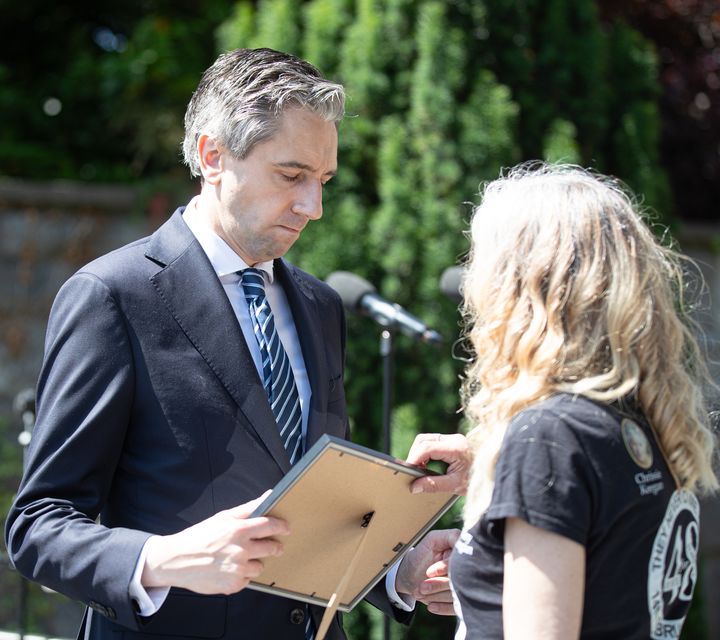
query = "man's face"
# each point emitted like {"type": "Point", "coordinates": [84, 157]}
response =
{"type": "Point", "coordinates": [266, 199]}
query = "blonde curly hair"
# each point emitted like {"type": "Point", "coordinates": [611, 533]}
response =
{"type": "Point", "coordinates": [567, 290]}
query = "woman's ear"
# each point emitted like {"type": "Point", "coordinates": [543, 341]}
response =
{"type": "Point", "coordinates": [210, 157]}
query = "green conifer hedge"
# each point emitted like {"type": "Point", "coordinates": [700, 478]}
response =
{"type": "Point", "coordinates": [442, 95]}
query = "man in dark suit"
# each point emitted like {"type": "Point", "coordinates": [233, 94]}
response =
{"type": "Point", "coordinates": [156, 405]}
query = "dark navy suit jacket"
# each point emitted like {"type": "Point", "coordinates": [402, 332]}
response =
{"type": "Point", "coordinates": [152, 417]}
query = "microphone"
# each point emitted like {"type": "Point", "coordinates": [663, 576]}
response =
{"type": "Point", "coordinates": [450, 283]}
{"type": "Point", "coordinates": [359, 296]}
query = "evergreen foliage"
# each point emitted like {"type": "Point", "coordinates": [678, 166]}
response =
{"type": "Point", "coordinates": [442, 95]}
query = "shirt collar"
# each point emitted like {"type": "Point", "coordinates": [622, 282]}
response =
{"type": "Point", "coordinates": [222, 258]}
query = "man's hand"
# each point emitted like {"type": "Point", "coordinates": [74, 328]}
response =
{"type": "Point", "coordinates": [423, 572]}
{"type": "Point", "coordinates": [452, 449]}
{"type": "Point", "coordinates": [218, 555]}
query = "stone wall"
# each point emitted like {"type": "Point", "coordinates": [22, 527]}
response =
{"type": "Point", "coordinates": [45, 235]}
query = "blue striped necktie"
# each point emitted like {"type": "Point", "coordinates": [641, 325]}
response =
{"type": "Point", "coordinates": [277, 378]}
{"type": "Point", "coordinates": [277, 375]}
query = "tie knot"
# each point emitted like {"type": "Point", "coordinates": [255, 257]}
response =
{"type": "Point", "coordinates": [252, 283]}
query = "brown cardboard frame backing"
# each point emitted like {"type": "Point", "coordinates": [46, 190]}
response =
{"type": "Point", "coordinates": [337, 494]}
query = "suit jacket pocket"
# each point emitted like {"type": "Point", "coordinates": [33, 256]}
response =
{"type": "Point", "coordinates": [185, 614]}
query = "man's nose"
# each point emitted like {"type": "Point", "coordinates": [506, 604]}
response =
{"type": "Point", "coordinates": [309, 201]}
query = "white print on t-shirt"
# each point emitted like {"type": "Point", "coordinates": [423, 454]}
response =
{"type": "Point", "coordinates": [649, 482]}
{"type": "Point", "coordinates": [463, 545]}
{"type": "Point", "coordinates": [672, 570]}
{"type": "Point", "coordinates": [460, 629]}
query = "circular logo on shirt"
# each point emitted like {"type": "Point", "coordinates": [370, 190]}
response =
{"type": "Point", "coordinates": [672, 570]}
{"type": "Point", "coordinates": [636, 443]}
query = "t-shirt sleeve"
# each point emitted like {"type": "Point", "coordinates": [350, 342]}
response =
{"type": "Point", "coordinates": [543, 476]}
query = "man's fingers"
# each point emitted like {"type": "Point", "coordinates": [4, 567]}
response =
{"type": "Point", "coordinates": [441, 608]}
{"type": "Point", "coordinates": [253, 568]}
{"type": "Point", "coordinates": [435, 484]}
{"type": "Point", "coordinates": [259, 528]}
{"type": "Point", "coordinates": [442, 540]}
{"type": "Point", "coordinates": [436, 587]}
{"type": "Point", "coordinates": [245, 510]}
{"type": "Point", "coordinates": [438, 570]}
{"type": "Point", "coordinates": [264, 548]}
{"type": "Point", "coordinates": [436, 595]}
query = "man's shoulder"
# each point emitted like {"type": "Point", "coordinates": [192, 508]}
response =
{"type": "Point", "coordinates": [118, 264]}
{"type": "Point", "coordinates": [142, 257]}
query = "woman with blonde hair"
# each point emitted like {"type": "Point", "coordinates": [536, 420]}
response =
{"type": "Point", "coordinates": [590, 434]}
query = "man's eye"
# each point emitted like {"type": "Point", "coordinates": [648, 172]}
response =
{"type": "Point", "coordinates": [291, 178]}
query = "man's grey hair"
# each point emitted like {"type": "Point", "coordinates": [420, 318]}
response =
{"type": "Point", "coordinates": [241, 97]}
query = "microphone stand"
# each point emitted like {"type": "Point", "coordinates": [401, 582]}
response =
{"type": "Point", "coordinates": [387, 352]}
{"type": "Point", "coordinates": [25, 405]}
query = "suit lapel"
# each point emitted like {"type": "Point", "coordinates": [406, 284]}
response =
{"type": "Point", "coordinates": [308, 325]}
{"type": "Point", "coordinates": [192, 292]}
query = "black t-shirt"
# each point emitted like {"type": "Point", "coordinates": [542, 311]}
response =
{"type": "Point", "coordinates": [595, 474]}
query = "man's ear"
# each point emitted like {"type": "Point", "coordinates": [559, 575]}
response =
{"type": "Point", "coordinates": [210, 157]}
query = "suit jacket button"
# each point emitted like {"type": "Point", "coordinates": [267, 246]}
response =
{"type": "Point", "coordinates": [297, 616]}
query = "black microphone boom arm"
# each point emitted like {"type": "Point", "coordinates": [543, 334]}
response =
{"type": "Point", "coordinates": [359, 296]}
